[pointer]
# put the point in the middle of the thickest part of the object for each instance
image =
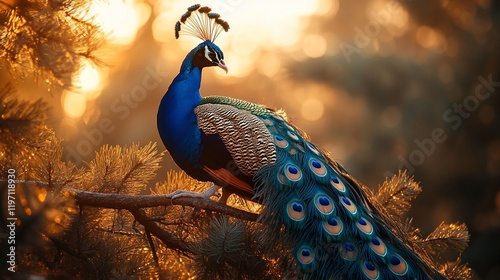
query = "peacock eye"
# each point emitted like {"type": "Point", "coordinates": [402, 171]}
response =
{"type": "Point", "coordinates": [210, 55]}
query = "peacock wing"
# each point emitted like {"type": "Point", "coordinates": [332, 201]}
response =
{"type": "Point", "coordinates": [236, 141]}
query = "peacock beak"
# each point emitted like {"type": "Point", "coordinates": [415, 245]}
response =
{"type": "Point", "coordinates": [222, 65]}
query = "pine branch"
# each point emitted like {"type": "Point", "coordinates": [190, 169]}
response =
{"type": "Point", "coordinates": [122, 201]}
{"type": "Point", "coordinates": [121, 232]}
{"type": "Point", "coordinates": [124, 170]}
{"type": "Point", "coordinates": [395, 194]}
{"type": "Point", "coordinates": [48, 38]}
{"type": "Point", "coordinates": [228, 249]}
{"type": "Point", "coordinates": [135, 204]}
{"type": "Point", "coordinates": [447, 236]}
{"type": "Point", "coordinates": [221, 249]}
{"type": "Point", "coordinates": [141, 165]}
{"type": "Point", "coordinates": [23, 128]}
{"type": "Point", "coordinates": [458, 271]}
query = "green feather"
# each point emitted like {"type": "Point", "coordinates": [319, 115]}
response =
{"type": "Point", "coordinates": [255, 109]}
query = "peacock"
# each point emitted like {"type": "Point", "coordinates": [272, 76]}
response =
{"type": "Point", "coordinates": [333, 225]}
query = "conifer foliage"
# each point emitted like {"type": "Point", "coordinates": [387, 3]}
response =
{"type": "Point", "coordinates": [48, 38]}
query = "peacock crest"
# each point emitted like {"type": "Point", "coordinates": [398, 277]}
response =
{"type": "Point", "coordinates": [201, 23]}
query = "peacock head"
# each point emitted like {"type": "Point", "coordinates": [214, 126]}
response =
{"type": "Point", "coordinates": [200, 22]}
{"type": "Point", "coordinates": [208, 54]}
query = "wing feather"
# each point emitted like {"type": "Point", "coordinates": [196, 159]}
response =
{"type": "Point", "coordinates": [245, 135]}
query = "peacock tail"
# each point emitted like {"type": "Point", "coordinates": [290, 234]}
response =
{"type": "Point", "coordinates": [331, 225]}
{"type": "Point", "coordinates": [335, 232]}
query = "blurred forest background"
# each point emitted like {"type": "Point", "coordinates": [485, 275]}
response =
{"type": "Point", "coordinates": [382, 85]}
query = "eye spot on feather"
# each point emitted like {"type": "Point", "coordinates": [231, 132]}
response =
{"type": "Point", "coordinates": [305, 255]}
{"type": "Point", "coordinates": [281, 179]}
{"type": "Point", "coordinates": [378, 247]}
{"type": "Point", "coordinates": [398, 265]}
{"type": "Point", "coordinates": [268, 122]}
{"type": "Point", "coordinates": [333, 226]}
{"type": "Point", "coordinates": [324, 204]}
{"type": "Point", "coordinates": [292, 151]}
{"type": "Point", "coordinates": [365, 226]}
{"type": "Point", "coordinates": [293, 173]}
{"type": "Point", "coordinates": [296, 210]}
{"type": "Point", "coordinates": [370, 271]}
{"type": "Point", "coordinates": [312, 148]}
{"type": "Point", "coordinates": [348, 205]}
{"type": "Point", "coordinates": [317, 167]}
{"type": "Point", "coordinates": [280, 141]}
{"type": "Point", "coordinates": [337, 184]}
{"type": "Point", "coordinates": [348, 251]}
{"type": "Point", "coordinates": [293, 135]}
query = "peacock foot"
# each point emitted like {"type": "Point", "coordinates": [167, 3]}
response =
{"type": "Point", "coordinates": [204, 195]}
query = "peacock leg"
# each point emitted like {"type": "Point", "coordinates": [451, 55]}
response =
{"type": "Point", "coordinates": [205, 195]}
{"type": "Point", "coordinates": [225, 195]}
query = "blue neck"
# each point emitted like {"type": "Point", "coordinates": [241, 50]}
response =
{"type": "Point", "coordinates": [176, 120]}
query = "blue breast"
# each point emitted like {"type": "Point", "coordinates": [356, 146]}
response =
{"type": "Point", "coordinates": [176, 120]}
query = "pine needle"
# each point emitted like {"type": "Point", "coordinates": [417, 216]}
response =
{"type": "Point", "coordinates": [141, 165]}
{"type": "Point", "coordinates": [228, 252]}
{"type": "Point", "coordinates": [47, 165]}
{"type": "Point", "coordinates": [396, 194]}
{"type": "Point", "coordinates": [124, 170]}
{"type": "Point", "coordinates": [457, 271]}
{"type": "Point", "coordinates": [445, 237]}
{"type": "Point", "coordinates": [23, 129]}
{"type": "Point", "coordinates": [48, 38]}
{"type": "Point", "coordinates": [179, 180]}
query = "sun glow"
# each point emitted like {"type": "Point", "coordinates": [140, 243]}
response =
{"type": "Point", "coordinates": [314, 45]}
{"type": "Point", "coordinates": [121, 19]}
{"type": "Point", "coordinates": [87, 79]}
{"type": "Point", "coordinates": [74, 104]}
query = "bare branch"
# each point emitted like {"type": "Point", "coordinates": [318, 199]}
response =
{"type": "Point", "coordinates": [168, 239]}
{"type": "Point", "coordinates": [123, 201]}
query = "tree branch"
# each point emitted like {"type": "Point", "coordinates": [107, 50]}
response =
{"type": "Point", "coordinates": [123, 201]}
{"type": "Point", "coordinates": [168, 239]}
{"type": "Point", "coordinates": [135, 204]}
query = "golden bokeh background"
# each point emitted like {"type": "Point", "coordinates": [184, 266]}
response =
{"type": "Point", "coordinates": [381, 84]}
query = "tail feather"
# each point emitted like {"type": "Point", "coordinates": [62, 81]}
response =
{"type": "Point", "coordinates": [336, 232]}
